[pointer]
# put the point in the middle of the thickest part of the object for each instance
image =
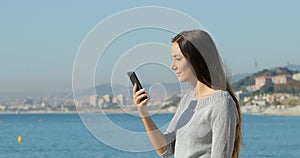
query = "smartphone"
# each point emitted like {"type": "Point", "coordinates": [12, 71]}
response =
{"type": "Point", "coordinates": [133, 78]}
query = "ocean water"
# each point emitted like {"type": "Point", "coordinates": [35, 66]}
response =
{"type": "Point", "coordinates": [65, 135]}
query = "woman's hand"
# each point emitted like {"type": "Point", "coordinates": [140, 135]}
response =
{"type": "Point", "coordinates": [141, 105]}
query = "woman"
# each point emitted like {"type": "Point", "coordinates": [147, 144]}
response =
{"type": "Point", "coordinates": [208, 120]}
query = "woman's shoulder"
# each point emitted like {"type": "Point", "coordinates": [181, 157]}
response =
{"type": "Point", "coordinates": [219, 98]}
{"type": "Point", "coordinates": [189, 95]}
{"type": "Point", "coordinates": [186, 98]}
{"type": "Point", "coordinates": [224, 104]}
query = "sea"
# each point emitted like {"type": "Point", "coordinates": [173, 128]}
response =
{"type": "Point", "coordinates": [68, 136]}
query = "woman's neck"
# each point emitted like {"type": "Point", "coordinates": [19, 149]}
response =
{"type": "Point", "coordinates": [203, 91]}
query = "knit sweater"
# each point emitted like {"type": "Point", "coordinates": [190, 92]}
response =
{"type": "Point", "coordinates": [202, 127]}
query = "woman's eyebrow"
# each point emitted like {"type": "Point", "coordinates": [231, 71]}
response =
{"type": "Point", "coordinates": [176, 55]}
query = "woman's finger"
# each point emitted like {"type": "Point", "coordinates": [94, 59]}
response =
{"type": "Point", "coordinates": [145, 101]}
{"type": "Point", "coordinates": [138, 93]}
{"type": "Point", "coordinates": [141, 96]}
{"type": "Point", "coordinates": [137, 99]}
{"type": "Point", "coordinates": [134, 88]}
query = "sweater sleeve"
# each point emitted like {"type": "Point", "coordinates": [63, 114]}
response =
{"type": "Point", "coordinates": [224, 121]}
{"type": "Point", "coordinates": [171, 145]}
{"type": "Point", "coordinates": [170, 133]}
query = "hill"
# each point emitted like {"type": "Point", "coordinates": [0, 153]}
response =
{"type": "Point", "coordinates": [291, 86]}
{"type": "Point", "coordinates": [293, 67]}
{"type": "Point", "coordinates": [237, 77]}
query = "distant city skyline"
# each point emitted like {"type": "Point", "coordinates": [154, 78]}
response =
{"type": "Point", "coordinates": [40, 40]}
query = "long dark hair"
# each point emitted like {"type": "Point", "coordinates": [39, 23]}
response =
{"type": "Point", "coordinates": [199, 49]}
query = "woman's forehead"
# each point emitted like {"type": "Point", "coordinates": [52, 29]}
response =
{"type": "Point", "coordinates": [176, 50]}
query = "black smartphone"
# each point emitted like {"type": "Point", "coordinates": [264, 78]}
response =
{"type": "Point", "coordinates": [133, 78]}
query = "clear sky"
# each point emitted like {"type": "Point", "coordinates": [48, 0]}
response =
{"type": "Point", "coordinates": [40, 39]}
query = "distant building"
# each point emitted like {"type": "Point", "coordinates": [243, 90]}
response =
{"type": "Point", "coordinates": [296, 77]}
{"type": "Point", "coordinates": [260, 102]}
{"type": "Point", "coordinates": [260, 81]}
{"type": "Point", "coordinates": [93, 100]}
{"type": "Point", "coordinates": [101, 101]}
{"type": "Point", "coordinates": [28, 101]}
{"type": "Point", "coordinates": [240, 95]}
{"type": "Point", "coordinates": [44, 104]}
{"type": "Point", "coordinates": [78, 103]}
{"type": "Point", "coordinates": [121, 99]}
{"type": "Point", "coordinates": [107, 98]}
{"type": "Point", "coordinates": [2, 107]}
{"type": "Point", "coordinates": [115, 100]}
{"type": "Point", "coordinates": [281, 79]}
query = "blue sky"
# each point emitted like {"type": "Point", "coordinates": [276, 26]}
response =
{"type": "Point", "coordinates": [40, 39]}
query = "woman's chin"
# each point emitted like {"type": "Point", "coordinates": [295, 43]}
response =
{"type": "Point", "coordinates": [181, 80]}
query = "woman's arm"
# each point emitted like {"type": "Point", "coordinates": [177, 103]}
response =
{"type": "Point", "coordinates": [224, 123]}
{"type": "Point", "coordinates": [157, 138]}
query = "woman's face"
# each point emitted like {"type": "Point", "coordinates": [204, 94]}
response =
{"type": "Point", "coordinates": [181, 66]}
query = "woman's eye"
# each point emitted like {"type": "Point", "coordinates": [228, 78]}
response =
{"type": "Point", "coordinates": [176, 58]}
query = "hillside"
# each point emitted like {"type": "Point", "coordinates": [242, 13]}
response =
{"type": "Point", "coordinates": [291, 86]}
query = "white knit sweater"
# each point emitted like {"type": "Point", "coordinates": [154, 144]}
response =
{"type": "Point", "coordinates": [203, 127]}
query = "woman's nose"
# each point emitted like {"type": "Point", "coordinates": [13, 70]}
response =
{"type": "Point", "coordinates": [172, 66]}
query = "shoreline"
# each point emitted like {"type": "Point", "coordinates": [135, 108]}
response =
{"type": "Point", "coordinates": [248, 110]}
{"type": "Point", "coordinates": [105, 111]}
{"type": "Point", "coordinates": [271, 110]}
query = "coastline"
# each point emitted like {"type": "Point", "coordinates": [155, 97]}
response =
{"type": "Point", "coordinates": [104, 111]}
{"type": "Point", "coordinates": [249, 110]}
{"type": "Point", "coordinates": [279, 110]}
